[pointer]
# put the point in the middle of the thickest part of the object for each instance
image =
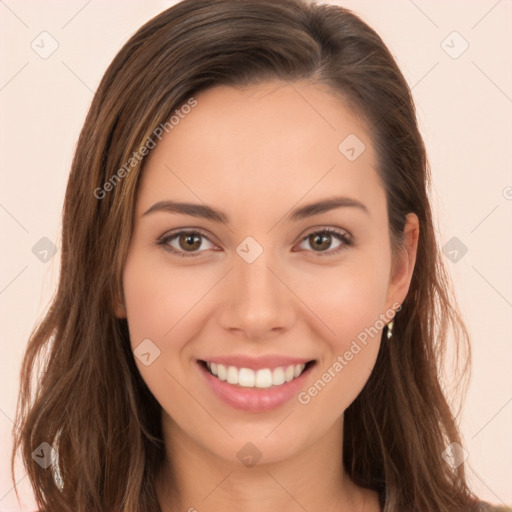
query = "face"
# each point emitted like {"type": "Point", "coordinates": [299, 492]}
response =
{"type": "Point", "coordinates": [264, 284]}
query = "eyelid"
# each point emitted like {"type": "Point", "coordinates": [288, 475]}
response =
{"type": "Point", "coordinates": [345, 238]}
{"type": "Point", "coordinates": [164, 240]}
{"type": "Point", "coordinates": [329, 229]}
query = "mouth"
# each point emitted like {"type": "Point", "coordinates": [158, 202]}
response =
{"type": "Point", "coordinates": [255, 390]}
{"type": "Point", "coordinates": [262, 378]}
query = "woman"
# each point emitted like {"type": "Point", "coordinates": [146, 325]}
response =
{"type": "Point", "coordinates": [252, 309]}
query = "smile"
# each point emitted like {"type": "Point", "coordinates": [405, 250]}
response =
{"type": "Point", "coordinates": [262, 378]}
{"type": "Point", "coordinates": [270, 383]}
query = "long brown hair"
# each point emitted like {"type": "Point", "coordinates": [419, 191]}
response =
{"type": "Point", "coordinates": [90, 403]}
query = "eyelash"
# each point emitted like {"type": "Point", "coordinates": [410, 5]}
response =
{"type": "Point", "coordinates": [164, 240]}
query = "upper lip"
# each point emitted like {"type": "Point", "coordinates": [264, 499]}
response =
{"type": "Point", "coordinates": [256, 363]}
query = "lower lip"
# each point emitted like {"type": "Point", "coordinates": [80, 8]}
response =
{"type": "Point", "coordinates": [254, 399]}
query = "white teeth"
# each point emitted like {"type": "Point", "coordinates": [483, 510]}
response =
{"type": "Point", "coordinates": [289, 373]}
{"type": "Point", "coordinates": [246, 377]}
{"type": "Point", "coordinates": [232, 375]}
{"type": "Point", "coordinates": [221, 371]}
{"type": "Point", "coordinates": [263, 378]}
{"type": "Point", "coordinates": [277, 376]}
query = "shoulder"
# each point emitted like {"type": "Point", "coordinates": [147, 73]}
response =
{"type": "Point", "coordinates": [484, 506]}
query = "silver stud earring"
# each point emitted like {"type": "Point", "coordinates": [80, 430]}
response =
{"type": "Point", "coordinates": [389, 332]}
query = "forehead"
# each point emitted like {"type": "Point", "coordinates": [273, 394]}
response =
{"type": "Point", "coordinates": [270, 143]}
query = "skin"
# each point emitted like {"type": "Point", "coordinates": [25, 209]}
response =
{"type": "Point", "coordinates": [256, 153]}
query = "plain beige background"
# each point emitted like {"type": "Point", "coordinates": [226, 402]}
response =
{"type": "Point", "coordinates": [464, 103]}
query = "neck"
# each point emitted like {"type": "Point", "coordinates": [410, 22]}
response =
{"type": "Point", "coordinates": [194, 478]}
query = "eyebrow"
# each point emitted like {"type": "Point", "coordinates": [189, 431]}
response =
{"type": "Point", "coordinates": [207, 212]}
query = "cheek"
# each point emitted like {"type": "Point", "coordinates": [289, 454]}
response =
{"type": "Point", "coordinates": [347, 354]}
{"type": "Point", "coordinates": [158, 299]}
{"type": "Point", "coordinates": [164, 306]}
{"type": "Point", "coordinates": [347, 297]}
{"type": "Point", "coordinates": [347, 307]}
{"type": "Point", "coordinates": [157, 302]}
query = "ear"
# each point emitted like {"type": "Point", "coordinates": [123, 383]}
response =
{"type": "Point", "coordinates": [403, 266]}
{"type": "Point", "coordinates": [119, 307]}
{"type": "Point", "coordinates": [120, 310]}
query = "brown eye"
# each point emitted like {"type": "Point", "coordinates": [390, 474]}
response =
{"type": "Point", "coordinates": [185, 243]}
{"type": "Point", "coordinates": [321, 241]}
{"type": "Point", "coordinates": [189, 242]}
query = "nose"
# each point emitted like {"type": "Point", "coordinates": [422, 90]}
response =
{"type": "Point", "coordinates": [258, 303]}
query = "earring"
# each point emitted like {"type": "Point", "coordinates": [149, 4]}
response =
{"type": "Point", "coordinates": [389, 332]}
